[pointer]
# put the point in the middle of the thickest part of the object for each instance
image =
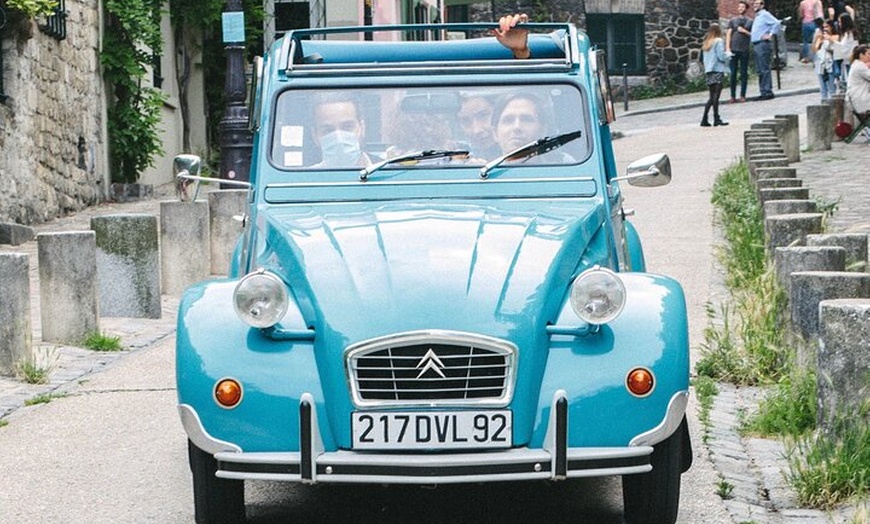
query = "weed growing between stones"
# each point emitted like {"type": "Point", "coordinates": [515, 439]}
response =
{"type": "Point", "coordinates": [102, 342]}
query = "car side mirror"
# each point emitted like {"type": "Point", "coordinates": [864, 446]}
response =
{"type": "Point", "coordinates": [649, 171]}
{"type": "Point", "coordinates": [187, 169]}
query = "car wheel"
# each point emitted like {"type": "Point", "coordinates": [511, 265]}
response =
{"type": "Point", "coordinates": [215, 500]}
{"type": "Point", "coordinates": [654, 497]}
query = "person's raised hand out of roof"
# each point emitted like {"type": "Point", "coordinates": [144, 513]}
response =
{"type": "Point", "coordinates": [514, 38]}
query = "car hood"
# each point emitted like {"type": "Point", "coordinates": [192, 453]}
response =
{"type": "Point", "coordinates": [358, 272]}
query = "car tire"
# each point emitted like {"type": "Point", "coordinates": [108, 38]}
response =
{"type": "Point", "coordinates": [215, 500]}
{"type": "Point", "coordinates": [654, 497]}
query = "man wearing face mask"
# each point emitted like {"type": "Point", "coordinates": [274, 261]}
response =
{"type": "Point", "coordinates": [338, 132]}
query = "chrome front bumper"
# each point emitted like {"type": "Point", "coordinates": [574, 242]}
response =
{"type": "Point", "coordinates": [555, 461]}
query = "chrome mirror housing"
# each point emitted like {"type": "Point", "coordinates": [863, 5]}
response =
{"type": "Point", "coordinates": [649, 171]}
{"type": "Point", "coordinates": [187, 168]}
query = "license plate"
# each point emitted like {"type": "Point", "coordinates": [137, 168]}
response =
{"type": "Point", "coordinates": [432, 430]}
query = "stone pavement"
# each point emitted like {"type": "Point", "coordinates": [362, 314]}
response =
{"type": "Point", "coordinates": [753, 466]}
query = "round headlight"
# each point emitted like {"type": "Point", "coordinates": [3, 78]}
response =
{"type": "Point", "coordinates": [260, 299]}
{"type": "Point", "coordinates": [598, 295]}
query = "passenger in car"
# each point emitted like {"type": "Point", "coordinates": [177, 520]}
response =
{"type": "Point", "coordinates": [475, 121]}
{"type": "Point", "coordinates": [339, 131]}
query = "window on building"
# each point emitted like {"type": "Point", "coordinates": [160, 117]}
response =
{"type": "Point", "coordinates": [622, 36]}
{"type": "Point", "coordinates": [291, 15]}
{"type": "Point", "coordinates": [421, 12]}
{"type": "Point", "coordinates": [55, 24]}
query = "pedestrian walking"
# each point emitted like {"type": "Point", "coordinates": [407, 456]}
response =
{"type": "Point", "coordinates": [823, 61]}
{"type": "Point", "coordinates": [808, 11]}
{"type": "Point", "coordinates": [765, 28]}
{"type": "Point", "coordinates": [737, 48]}
{"type": "Point", "coordinates": [715, 65]}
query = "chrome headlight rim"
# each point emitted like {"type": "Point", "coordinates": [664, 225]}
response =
{"type": "Point", "coordinates": [274, 298]}
{"type": "Point", "coordinates": [608, 289]}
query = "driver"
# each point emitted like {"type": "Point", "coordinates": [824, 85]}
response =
{"type": "Point", "coordinates": [518, 120]}
{"type": "Point", "coordinates": [338, 132]}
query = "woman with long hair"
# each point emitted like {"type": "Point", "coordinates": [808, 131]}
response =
{"type": "Point", "coordinates": [715, 65]}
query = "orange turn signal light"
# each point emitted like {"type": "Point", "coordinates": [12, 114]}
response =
{"type": "Point", "coordinates": [228, 392]}
{"type": "Point", "coordinates": [640, 382]}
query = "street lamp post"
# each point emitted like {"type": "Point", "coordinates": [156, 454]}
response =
{"type": "Point", "coordinates": [235, 138]}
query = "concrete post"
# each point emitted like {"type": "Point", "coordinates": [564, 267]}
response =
{"type": "Point", "coordinates": [185, 245]}
{"type": "Point", "coordinates": [855, 245]}
{"type": "Point", "coordinates": [788, 207]}
{"type": "Point", "coordinates": [16, 332]}
{"type": "Point", "coordinates": [759, 161]}
{"type": "Point", "coordinates": [843, 372]}
{"type": "Point", "coordinates": [226, 209]}
{"type": "Point", "coordinates": [68, 286]}
{"type": "Point", "coordinates": [808, 289]}
{"type": "Point", "coordinates": [773, 183]}
{"type": "Point", "coordinates": [791, 139]}
{"type": "Point", "coordinates": [820, 127]}
{"type": "Point", "coordinates": [759, 141]}
{"type": "Point", "coordinates": [775, 172]}
{"type": "Point", "coordinates": [15, 234]}
{"type": "Point", "coordinates": [783, 193]}
{"type": "Point", "coordinates": [788, 260]}
{"type": "Point", "coordinates": [128, 265]}
{"type": "Point", "coordinates": [790, 230]}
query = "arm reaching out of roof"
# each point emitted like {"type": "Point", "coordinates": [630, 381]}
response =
{"type": "Point", "coordinates": [514, 38]}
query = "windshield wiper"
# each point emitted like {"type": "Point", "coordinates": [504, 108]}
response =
{"type": "Point", "coordinates": [411, 157]}
{"type": "Point", "coordinates": [538, 147]}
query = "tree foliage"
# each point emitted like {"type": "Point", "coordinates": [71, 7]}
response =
{"type": "Point", "coordinates": [132, 39]}
{"type": "Point", "coordinates": [31, 8]}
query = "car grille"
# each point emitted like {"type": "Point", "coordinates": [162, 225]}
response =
{"type": "Point", "coordinates": [432, 368]}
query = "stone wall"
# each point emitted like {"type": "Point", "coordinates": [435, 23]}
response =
{"type": "Point", "coordinates": [51, 126]}
{"type": "Point", "coordinates": [674, 31]}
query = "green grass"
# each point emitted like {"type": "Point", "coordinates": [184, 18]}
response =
{"type": "Point", "coordinates": [101, 342]}
{"type": "Point", "coordinates": [827, 470]}
{"type": "Point", "coordinates": [43, 399]}
{"type": "Point", "coordinates": [3, 423]}
{"type": "Point", "coordinates": [744, 342]}
{"type": "Point", "coordinates": [789, 410]}
{"type": "Point", "coordinates": [724, 489]}
{"type": "Point", "coordinates": [706, 391]}
{"type": "Point", "coordinates": [34, 373]}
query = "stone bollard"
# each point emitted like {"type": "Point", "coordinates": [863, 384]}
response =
{"type": "Point", "coordinates": [16, 332]}
{"type": "Point", "coordinates": [807, 289]}
{"type": "Point", "coordinates": [773, 183]}
{"type": "Point", "coordinates": [185, 245]}
{"type": "Point", "coordinates": [68, 286]}
{"type": "Point", "coordinates": [783, 193]}
{"type": "Point", "coordinates": [15, 234]}
{"type": "Point", "coordinates": [226, 209]}
{"type": "Point", "coordinates": [788, 207]}
{"type": "Point", "coordinates": [843, 369]}
{"type": "Point", "coordinates": [128, 265]}
{"type": "Point", "coordinates": [788, 260]}
{"type": "Point", "coordinates": [791, 139]}
{"type": "Point", "coordinates": [820, 127]}
{"type": "Point", "coordinates": [754, 142]}
{"type": "Point", "coordinates": [790, 230]}
{"type": "Point", "coordinates": [774, 151]}
{"type": "Point", "coordinates": [855, 245]}
{"type": "Point", "coordinates": [761, 161]}
{"type": "Point", "coordinates": [775, 172]}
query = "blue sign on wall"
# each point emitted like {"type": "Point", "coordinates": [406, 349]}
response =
{"type": "Point", "coordinates": [233, 26]}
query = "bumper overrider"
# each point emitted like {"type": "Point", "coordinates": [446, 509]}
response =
{"type": "Point", "coordinates": [554, 461]}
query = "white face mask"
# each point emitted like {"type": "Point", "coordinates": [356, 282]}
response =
{"type": "Point", "coordinates": [340, 148]}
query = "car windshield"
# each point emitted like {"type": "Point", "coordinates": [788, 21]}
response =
{"type": "Point", "coordinates": [356, 128]}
